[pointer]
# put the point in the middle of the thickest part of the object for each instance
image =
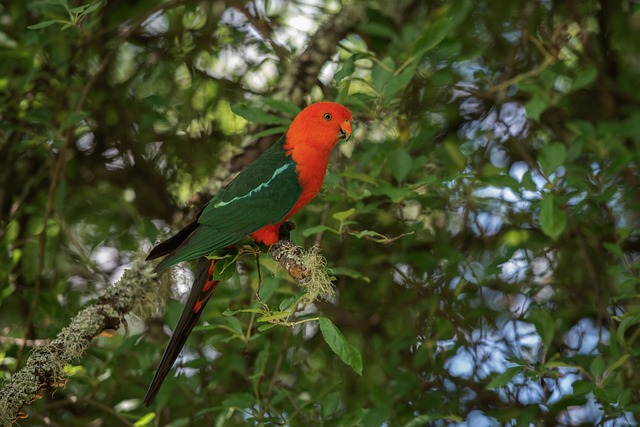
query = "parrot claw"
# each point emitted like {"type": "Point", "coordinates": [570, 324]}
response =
{"type": "Point", "coordinates": [285, 230]}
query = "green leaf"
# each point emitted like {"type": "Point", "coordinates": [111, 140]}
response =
{"type": "Point", "coordinates": [453, 150]}
{"type": "Point", "coordinates": [329, 404]}
{"type": "Point", "coordinates": [377, 416]}
{"type": "Point", "coordinates": [359, 176]}
{"type": "Point", "coordinates": [286, 303]}
{"type": "Point", "coordinates": [374, 235]}
{"type": "Point", "coordinates": [349, 66]}
{"type": "Point", "coordinates": [628, 320]}
{"type": "Point", "coordinates": [271, 131]}
{"type": "Point", "coordinates": [260, 364]}
{"type": "Point", "coordinates": [585, 77]}
{"type": "Point", "coordinates": [92, 8]}
{"type": "Point", "coordinates": [274, 316]}
{"type": "Point", "coordinates": [338, 343]}
{"type": "Point", "coordinates": [145, 420]}
{"type": "Point", "coordinates": [400, 162]}
{"type": "Point", "coordinates": [618, 363]}
{"type": "Point", "coordinates": [396, 194]}
{"type": "Point", "coordinates": [224, 268]}
{"type": "Point", "coordinates": [597, 366]}
{"type": "Point", "coordinates": [79, 9]}
{"type": "Point", "coordinates": [341, 216]}
{"type": "Point", "coordinates": [268, 288]}
{"type": "Point", "coordinates": [73, 119]}
{"type": "Point", "coordinates": [397, 83]}
{"type": "Point", "coordinates": [317, 229]}
{"type": "Point", "coordinates": [527, 182]}
{"type": "Point", "coordinates": [552, 156]}
{"type": "Point", "coordinates": [535, 107]}
{"type": "Point", "coordinates": [377, 29]}
{"type": "Point", "coordinates": [284, 106]}
{"type": "Point", "coordinates": [256, 115]}
{"type": "Point", "coordinates": [433, 35]}
{"type": "Point", "coordinates": [543, 321]}
{"type": "Point", "coordinates": [43, 24]}
{"type": "Point", "coordinates": [504, 377]}
{"type": "Point", "coordinates": [581, 387]}
{"type": "Point", "coordinates": [349, 272]}
{"type": "Point", "coordinates": [382, 73]}
{"type": "Point", "coordinates": [613, 248]}
{"type": "Point", "coordinates": [553, 220]}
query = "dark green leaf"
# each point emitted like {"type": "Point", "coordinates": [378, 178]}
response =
{"type": "Point", "coordinates": [552, 156]}
{"type": "Point", "coordinates": [260, 365]}
{"type": "Point", "coordinates": [585, 77]}
{"type": "Point", "coordinates": [504, 377]}
{"type": "Point", "coordinates": [377, 416]}
{"type": "Point", "coordinates": [553, 220]}
{"type": "Point", "coordinates": [43, 24]}
{"type": "Point", "coordinates": [224, 268]}
{"type": "Point", "coordinates": [527, 182]}
{"type": "Point", "coordinates": [397, 83]}
{"type": "Point", "coordinates": [597, 367]}
{"type": "Point", "coordinates": [316, 229]}
{"type": "Point", "coordinates": [581, 387]}
{"type": "Point", "coordinates": [329, 404]}
{"type": "Point", "coordinates": [271, 131]}
{"type": "Point", "coordinates": [433, 35]}
{"type": "Point", "coordinates": [73, 119]}
{"type": "Point", "coordinates": [268, 288]}
{"type": "Point", "coordinates": [338, 343]}
{"type": "Point", "coordinates": [285, 107]}
{"type": "Point", "coordinates": [535, 107]}
{"type": "Point", "coordinates": [382, 73]}
{"type": "Point", "coordinates": [544, 324]}
{"type": "Point", "coordinates": [349, 66]}
{"type": "Point", "coordinates": [349, 272]}
{"type": "Point", "coordinates": [400, 162]}
{"type": "Point", "coordinates": [613, 248]}
{"type": "Point", "coordinates": [256, 115]}
{"type": "Point", "coordinates": [628, 320]}
{"type": "Point", "coordinates": [376, 29]}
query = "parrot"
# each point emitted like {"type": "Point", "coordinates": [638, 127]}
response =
{"type": "Point", "coordinates": [255, 203]}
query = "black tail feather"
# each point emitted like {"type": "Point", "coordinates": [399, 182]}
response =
{"type": "Point", "coordinates": [201, 291]}
{"type": "Point", "coordinates": [171, 244]}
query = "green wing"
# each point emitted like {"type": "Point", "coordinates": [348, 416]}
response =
{"type": "Point", "coordinates": [260, 195]}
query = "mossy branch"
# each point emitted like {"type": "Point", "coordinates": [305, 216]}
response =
{"type": "Point", "coordinates": [307, 267]}
{"type": "Point", "coordinates": [136, 291]}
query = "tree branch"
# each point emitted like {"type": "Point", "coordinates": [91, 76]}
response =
{"type": "Point", "coordinates": [136, 291]}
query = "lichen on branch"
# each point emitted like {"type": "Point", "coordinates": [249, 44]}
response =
{"type": "Point", "coordinates": [307, 267]}
{"type": "Point", "coordinates": [137, 291]}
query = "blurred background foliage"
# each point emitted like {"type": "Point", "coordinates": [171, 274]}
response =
{"type": "Point", "coordinates": [488, 273]}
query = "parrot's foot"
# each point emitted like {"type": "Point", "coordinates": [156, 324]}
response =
{"type": "Point", "coordinates": [285, 230]}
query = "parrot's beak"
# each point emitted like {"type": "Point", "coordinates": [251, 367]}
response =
{"type": "Point", "coordinates": [345, 130]}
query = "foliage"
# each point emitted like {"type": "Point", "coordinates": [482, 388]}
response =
{"type": "Point", "coordinates": [482, 224]}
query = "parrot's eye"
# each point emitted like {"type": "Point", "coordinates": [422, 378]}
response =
{"type": "Point", "coordinates": [327, 116]}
